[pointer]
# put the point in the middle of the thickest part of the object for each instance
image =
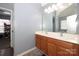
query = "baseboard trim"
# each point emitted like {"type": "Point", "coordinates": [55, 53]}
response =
{"type": "Point", "coordinates": [27, 51]}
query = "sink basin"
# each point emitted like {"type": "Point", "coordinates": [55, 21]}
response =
{"type": "Point", "coordinates": [65, 36]}
{"type": "Point", "coordinates": [53, 33]}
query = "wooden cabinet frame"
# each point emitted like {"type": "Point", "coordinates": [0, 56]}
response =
{"type": "Point", "coordinates": [56, 47]}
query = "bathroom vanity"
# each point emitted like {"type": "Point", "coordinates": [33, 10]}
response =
{"type": "Point", "coordinates": [60, 31]}
{"type": "Point", "coordinates": [53, 44]}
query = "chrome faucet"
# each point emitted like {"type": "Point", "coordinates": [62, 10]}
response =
{"type": "Point", "coordinates": [61, 33]}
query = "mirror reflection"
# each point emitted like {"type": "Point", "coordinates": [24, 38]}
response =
{"type": "Point", "coordinates": [61, 17]}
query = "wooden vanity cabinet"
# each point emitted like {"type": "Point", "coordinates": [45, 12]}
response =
{"type": "Point", "coordinates": [62, 48]}
{"type": "Point", "coordinates": [44, 45]}
{"type": "Point", "coordinates": [56, 47]}
{"type": "Point", "coordinates": [38, 41]}
{"type": "Point", "coordinates": [41, 43]}
{"type": "Point", "coordinates": [61, 51]}
{"type": "Point", "coordinates": [76, 50]}
{"type": "Point", "coordinates": [51, 49]}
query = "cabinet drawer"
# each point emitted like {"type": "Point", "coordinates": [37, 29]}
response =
{"type": "Point", "coordinates": [44, 45]}
{"type": "Point", "coordinates": [52, 41]}
{"type": "Point", "coordinates": [38, 36]}
{"type": "Point", "coordinates": [51, 49]}
{"type": "Point", "coordinates": [60, 43]}
{"type": "Point", "coordinates": [75, 50]}
{"type": "Point", "coordinates": [63, 52]}
{"type": "Point", "coordinates": [38, 42]}
{"type": "Point", "coordinates": [64, 44]}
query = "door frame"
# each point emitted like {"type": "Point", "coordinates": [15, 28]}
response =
{"type": "Point", "coordinates": [11, 35]}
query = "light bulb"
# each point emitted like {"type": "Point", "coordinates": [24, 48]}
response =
{"type": "Point", "coordinates": [60, 5]}
{"type": "Point", "coordinates": [46, 10]}
{"type": "Point", "coordinates": [54, 7]}
{"type": "Point", "coordinates": [49, 9]}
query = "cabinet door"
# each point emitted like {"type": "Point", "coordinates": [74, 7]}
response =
{"type": "Point", "coordinates": [44, 44]}
{"type": "Point", "coordinates": [75, 50]}
{"type": "Point", "coordinates": [61, 51]}
{"type": "Point", "coordinates": [51, 49]}
{"type": "Point", "coordinates": [37, 41]}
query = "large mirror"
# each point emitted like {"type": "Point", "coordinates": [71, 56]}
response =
{"type": "Point", "coordinates": [61, 17]}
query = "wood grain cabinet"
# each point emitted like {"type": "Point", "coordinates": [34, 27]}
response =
{"type": "Point", "coordinates": [44, 45]}
{"type": "Point", "coordinates": [61, 51]}
{"type": "Point", "coordinates": [38, 41]}
{"type": "Point", "coordinates": [41, 43]}
{"type": "Point", "coordinates": [56, 47]}
{"type": "Point", "coordinates": [51, 49]}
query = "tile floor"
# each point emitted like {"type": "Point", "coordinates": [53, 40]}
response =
{"type": "Point", "coordinates": [35, 52]}
{"type": "Point", "coordinates": [4, 43]}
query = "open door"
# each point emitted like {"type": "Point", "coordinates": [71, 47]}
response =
{"type": "Point", "coordinates": [5, 30]}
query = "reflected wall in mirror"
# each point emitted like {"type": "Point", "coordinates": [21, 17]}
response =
{"type": "Point", "coordinates": [63, 17]}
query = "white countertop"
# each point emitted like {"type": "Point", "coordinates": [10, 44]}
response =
{"type": "Point", "coordinates": [73, 38]}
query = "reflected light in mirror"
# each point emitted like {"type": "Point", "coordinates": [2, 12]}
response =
{"type": "Point", "coordinates": [49, 9]}
{"type": "Point", "coordinates": [72, 23]}
{"type": "Point", "coordinates": [43, 4]}
{"type": "Point", "coordinates": [60, 5]}
{"type": "Point", "coordinates": [46, 10]}
{"type": "Point", "coordinates": [54, 7]}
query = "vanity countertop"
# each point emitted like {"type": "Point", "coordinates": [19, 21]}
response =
{"type": "Point", "coordinates": [73, 38]}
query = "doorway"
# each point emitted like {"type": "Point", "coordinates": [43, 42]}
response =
{"type": "Point", "coordinates": [5, 28]}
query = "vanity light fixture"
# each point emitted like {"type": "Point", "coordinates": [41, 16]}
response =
{"type": "Point", "coordinates": [56, 6]}
{"type": "Point", "coordinates": [46, 10]}
{"type": "Point", "coordinates": [60, 5]}
{"type": "Point", "coordinates": [49, 9]}
{"type": "Point", "coordinates": [43, 4]}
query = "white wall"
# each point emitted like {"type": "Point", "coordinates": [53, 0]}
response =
{"type": "Point", "coordinates": [27, 20]}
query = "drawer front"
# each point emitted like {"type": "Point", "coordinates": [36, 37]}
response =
{"type": "Point", "coordinates": [38, 36]}
{"type": "Point", "coordinates": [64, 44]}
{"type": "Point", "coordinates": [75, 50]}
{"type": "Point", "coordinates": [51, 49]}
{"type": "Point", "coordinates": [52, 41]}
{"type": "Point", "coordinates": [60, 43]}
{"type": "Point", "coordinates": [38, 42]}
{"type": "Point", "coordinates": [44, 45]}
{"type": "Point", "coordinates": [63, 52]}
